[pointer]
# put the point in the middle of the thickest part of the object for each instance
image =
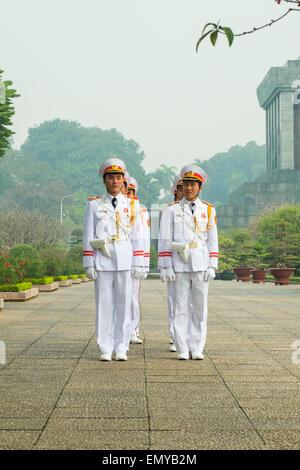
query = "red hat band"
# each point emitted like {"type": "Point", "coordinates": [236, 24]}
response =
{"type": "Point", "coordinates": [193, 175]}
{"type": "Point", "coordinates": [113, 169]}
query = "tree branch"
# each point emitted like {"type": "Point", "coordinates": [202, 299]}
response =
{"type": "Point", "coordinates": [271, 22]}
{"type": "Point", "coordinates": [217, 28]}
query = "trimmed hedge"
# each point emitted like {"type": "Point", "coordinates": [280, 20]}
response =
{"type": "Point", "coordinates": [16, 287]}
{"type": "Point", "coordinates": [82, 276]}
{"type": "Point", "coordinates": [73, 276]}
{"type": "Point", "coordinates": [44, 281]}
{"type": "Point", "coordinates": [293, 279]}
{"type": "Point", "coordinates": [60, 278]}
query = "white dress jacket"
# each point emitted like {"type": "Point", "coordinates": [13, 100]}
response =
{"type": "Point", "coordinates": [199, 229]}
{"type": "Point", "coordinates": [103, 221]}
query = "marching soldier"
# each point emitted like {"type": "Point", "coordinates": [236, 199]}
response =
{"type": "Point", "coordinates": [125, 183]}
{"type": "Point", "coordinates": [113, 255]}
{"type": "Point", "coordinates": [132, 190]}
{"type": "Point", "coordinates": [177, 191]}
{"type": "Point", "coordinates": [188, 256]}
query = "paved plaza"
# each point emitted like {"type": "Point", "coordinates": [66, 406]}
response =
{"type": "Point", "coordinates": [245, 394]}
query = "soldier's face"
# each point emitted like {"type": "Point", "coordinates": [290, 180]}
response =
{"type": "Point", "coordinates": [191, 189]}
{"type": "Point", "coordinates": [131, 192]}
{"type": "Point", "coordinates": [124, 189]}
{"type": "Point", "coordinates": [179, 193]}
{"type": "Point", "coordinates": [114, 183]}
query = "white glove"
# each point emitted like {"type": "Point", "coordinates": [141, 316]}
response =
{"type": "Point", "coordinates": [145, 274]}
{"type": "Point", "coordinates": [137, 272]}
{"type": "Point", "coordinates": [91, 273]}
{"type": "Point", "coordinates": [170, 275]}
{"type": "Point", "coordinates": [209, 274]}
{"type": "Point", "coordinates": [163, 274]}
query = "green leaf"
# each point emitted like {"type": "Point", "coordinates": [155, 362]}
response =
{"type": "Point", "coordinates": [202, 37]}
{"type": "Point", "coordinates": [209, 24]}
{"type": "Point", "coordinates": [214, 37]}
{"type": "Point", "coordinates": [229, 34]}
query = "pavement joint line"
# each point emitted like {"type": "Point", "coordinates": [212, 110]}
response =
{"type": "Point", "coordinates": [38, 338]}
{"type": "Point", "coordinates": [256, 316]}
{"type": "Point", "coordinates": [244, 334]}
{"type": "Point", "coordinates": [145, 380]}
{"type": "Point", "coordinates": [239, 324]}
{"type": "Point", "coordinates": [235, 399]}
{"type": "Point", "coordinates": [61, 392]}
{"type": "Point", "coordinates": [267, 353]}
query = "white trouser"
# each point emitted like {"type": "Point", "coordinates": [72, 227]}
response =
{"type": "Point", "coordinates": [113, 294]}
{"type": "Point", "coordinates": [135, 311]}
{"type": "Point", "coordinates": [190, 326]}
{"type": "Point", "coordinates": [171, 300]}
{"type": "Point", "coordinates": [171, 307]}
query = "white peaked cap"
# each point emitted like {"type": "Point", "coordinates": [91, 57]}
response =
{"type": "Point", "coordinates": [193, 172]}
{"type": "Point", "coordinates": [133, 184]}
{"type": "Point", "coordinates": [177, 180]}
{"type": "Point", "coordinates": [112, 165]}
{"type": "Point", "coordinates": [126, 177]}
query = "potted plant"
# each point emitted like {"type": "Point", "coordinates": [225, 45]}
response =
{"type": "Point", "coordinates": [260, 269]}
{"type": "Point", "coordinates": [282, 231]}
{"type": "Point", "coordinates": [243, 247]}
{"type": "Point", "coordinates": [226, 258]}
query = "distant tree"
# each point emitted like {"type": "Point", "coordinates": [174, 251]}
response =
{"type": "Point", "coordinates": [73, 154]}
{"type": "Point", "coordinates": [228, 170]}
{"type": "Point", "coordinates": [33, 196]}
{"type": "Point", "coordinates": [164, 176]}
{"type": "Point", "coordinates": [7, 110]}
{"type": "Point", "coordinates": [29, 227]}
{"type": "Point", "coordinates": [212, 30]}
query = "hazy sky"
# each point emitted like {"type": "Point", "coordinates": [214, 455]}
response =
{"type": "Point", "coordinates": [132, 65]}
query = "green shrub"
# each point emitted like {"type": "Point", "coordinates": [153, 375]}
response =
{"type": "Point", "coordinates": [82, 276]}
{"type": "Point", "coordinates": [33, 268]}
{"type": "Point", "coordinates": [52, 261]}
{"type": "Point", "coordinates": [42, 281]}
{"type": "Point", "coordinates": [11, 272]}
{"type": "Point", "coordinates": [70, 267]}
{"type": "Point", "coordinates": [153, 257]}
{"type": "Point", "coordinates": [75, 254]}
{"type": "Point", "coordinates": [23, 252]}
{"type": "Point", "coordinates": [16, 287]}
{"type": "Point", "coordinates": [73, 276]}
{"type": "Point", "coordinates": [60, 278]}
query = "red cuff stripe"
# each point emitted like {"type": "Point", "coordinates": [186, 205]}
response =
{"type": "Point", "coordinates": [88, 254]}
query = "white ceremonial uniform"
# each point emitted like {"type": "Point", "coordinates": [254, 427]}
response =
{"type": "Point", "coordinates": [199, 230]}
{"type": "Point", "coordinates": [121, 227]}
{"type": "Point", "coordinates": [137, 282]}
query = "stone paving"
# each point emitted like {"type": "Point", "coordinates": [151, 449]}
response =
{"type": "Point", "coordinates": [56, 394]}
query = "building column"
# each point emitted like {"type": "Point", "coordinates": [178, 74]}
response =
{"type": "Point", "coordinates": [287, 141]}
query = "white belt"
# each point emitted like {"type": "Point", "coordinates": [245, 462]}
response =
{"type": "Point", "coordinates": [117, 238]}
